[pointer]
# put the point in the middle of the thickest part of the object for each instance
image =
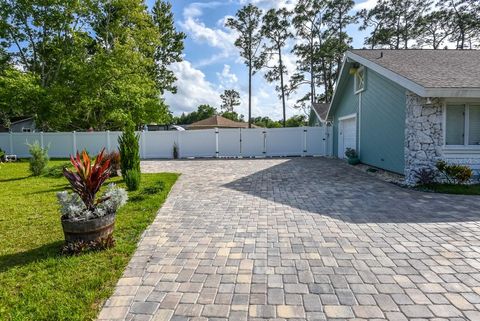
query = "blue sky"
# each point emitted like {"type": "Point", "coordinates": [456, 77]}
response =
{"type": "Point", "coordinates": [212, 63]}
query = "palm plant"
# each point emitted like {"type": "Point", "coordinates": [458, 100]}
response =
{"type": "Point", "coordinates": [89, 177]}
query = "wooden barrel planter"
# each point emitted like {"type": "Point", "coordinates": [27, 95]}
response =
{"type": "Point", "coordinates": [91, 230]}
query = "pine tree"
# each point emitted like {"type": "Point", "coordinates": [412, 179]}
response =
{"type": "Point", "coordinates": [129, 149]}
{"type": "Point", "coordinates": [247, 24]}
{"type": "Point", "coordinates": [230, 99]}
{"type": "Point", "coordinates": [276, 29]}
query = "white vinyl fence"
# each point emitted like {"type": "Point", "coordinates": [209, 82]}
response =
{"type": "Point", "coordinates": [254, 142]}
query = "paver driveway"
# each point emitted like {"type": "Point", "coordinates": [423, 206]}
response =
{"type": "Point", "coordinates": [306, 239]}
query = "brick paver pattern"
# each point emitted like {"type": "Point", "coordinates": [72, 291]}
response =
{"type": "Point", "coordinates": [300, 239]}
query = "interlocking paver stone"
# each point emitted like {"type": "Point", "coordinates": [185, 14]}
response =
{"type": "Point", "coordinates": [300, 239]}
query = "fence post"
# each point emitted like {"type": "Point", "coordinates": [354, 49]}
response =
{"type": "Point", "coordinates": [179, 144]}
{"type": "Point", "coordinates": [305, 134]}
{"type": "Point", "coordinates": [108, 141]}
{"type": "Point", "coordinates": [241, 143]}
{"type": "Point", "coordinates": [142, 147]}
{"type": "Point", "coordinates": [41, 140]}
{"type": "Point", "coordinates": [10, 138]}
{"type": "Point", "coordinates": [264, 143]}
{"type": "Point", "coordinates": [74, 145]}
{"type": "Point", "coordinates": [216, 143]}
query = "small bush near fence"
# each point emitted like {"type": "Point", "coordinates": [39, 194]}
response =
{"type": "Point", "coordinates": [39, 158]}
{"type": "Point", "coordinates": [129, 149]}
{"type": "Point", "coordinates": [454, 174]}
{"type": "Point", "coordinates": [132, 179]}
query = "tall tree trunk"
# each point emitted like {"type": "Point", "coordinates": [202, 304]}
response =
{"type": "Point", "coordinates": [250, 94]}
{"type": "Point", "coordinates": [312, 74]}
{"type": "Point", "coordinates": [283, 88]}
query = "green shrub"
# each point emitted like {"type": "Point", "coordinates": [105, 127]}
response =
{"type": "Point", "coordinates": [455, 174]}
{"type": "Point", "coordinates": [2, 156]}
{"type": "Point", "coordinates": [39, 159]}
{"type": "Point", "coordinates": [129, 149]}
{"type": "Point", "coordinates": [132, 179]}
{"type": "Point", "coordinates": [351, 153]}
{"type": "Point", "coordinates": [56, 171]}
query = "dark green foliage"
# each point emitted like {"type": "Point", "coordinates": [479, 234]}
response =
{"type": "Point", "coordinates": [56, 171]}
{"type": "Point", "coordinates": [294, 121]}
{"type": "Point", "coordinates": [39, 158]}
{"type": "Point", "coordinates": [2, 156]}
{"type": "Point", "coordinates": [451, 188]}
{"type": "Point", "coordinates": [129, 149]}
{"type": "Point", "coordinates": [425, 176]}
{"type": "Point", "coordinates": [132, 179]}
{"type": "Point", "coordinates": [81, 64]}
{"type": "Point", "coordinates": [321, 25]}
{"type": "Point", "coordinates": [266, 122]}
{"type": "Point", "coordinates": [175, 151]}
{"type": "Point", "coordinates": [233, 116]}
{"type": "Point", "coordinates": [458, 174]}
{"type": "Point", "coordinates": [351, 153]}
{"type": "Point", "coordinates": [202, 112]}
{"type": "Point", "coordinates": [230, 99]}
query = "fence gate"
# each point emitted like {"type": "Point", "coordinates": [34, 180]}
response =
{"type": "Point", "coordinates": [251, 142]}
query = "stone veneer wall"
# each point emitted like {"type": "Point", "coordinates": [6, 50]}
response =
{"type": "Point", "coordinates": [423, 135]}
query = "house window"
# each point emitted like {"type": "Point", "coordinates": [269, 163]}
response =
{"type": "Point", "coordinates": [462, 125]}
{"type": "Point", "coordinates": [360, 80]}
{"type": "Point", "coordinates": [26, 130]}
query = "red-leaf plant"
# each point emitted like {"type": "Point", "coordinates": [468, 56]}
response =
{"type": "Point", "coordinates": [89, 176]}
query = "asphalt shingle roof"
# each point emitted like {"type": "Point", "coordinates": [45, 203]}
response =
{"type": "Point", "coordinates": [218, 121]}
{"type": "Point", "coordinates": [430, 68]}
{"type": "Point", "coordinates": [321, 109]}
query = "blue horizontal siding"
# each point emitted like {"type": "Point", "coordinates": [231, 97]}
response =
{"type": "Point", "coordinates": [347, 105]}
{"type": "Point", "coordinates": [383, 124]}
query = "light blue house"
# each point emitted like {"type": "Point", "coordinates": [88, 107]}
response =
{"type": "Point", "coordinates": [403, 110]}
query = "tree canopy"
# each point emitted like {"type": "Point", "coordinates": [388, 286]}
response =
{"type": "Point", "coordinates": [87, 64]}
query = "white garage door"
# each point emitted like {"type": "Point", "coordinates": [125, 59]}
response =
{"type": "Point", "coordinates": [347, 135]}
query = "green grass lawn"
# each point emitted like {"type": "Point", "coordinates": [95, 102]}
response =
{"type": "Point", "coordinates": [453, 189]}
{"type": "Point", "coordinates": [36, 281]}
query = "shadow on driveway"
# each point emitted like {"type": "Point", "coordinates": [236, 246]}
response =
{"type": "Point", "coordinates": [333, 188]}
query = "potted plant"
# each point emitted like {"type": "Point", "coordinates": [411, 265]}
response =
{"type": "Point", "coordinates": [352, 156]}
{"type": "Point", "coordinates": [86, 218]}
{"type": "Point", "coordinates": [175, 151]}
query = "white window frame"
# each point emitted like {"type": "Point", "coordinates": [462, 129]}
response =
{"type": "Point", "coordinates": [466, 126]}
{"type": "Point", "coordinates": [363, 70]}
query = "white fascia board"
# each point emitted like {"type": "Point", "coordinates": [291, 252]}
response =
{"type": "Point", "coordinates": [318, 116]}
{"type": "Point", "coordinates": [453, 92]}
{"type": "Point", "coordinates": [335, 92]}
{"type": "Point", "coordinates": [402, 81]}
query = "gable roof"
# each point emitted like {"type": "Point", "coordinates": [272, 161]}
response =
{"type": "Point", "coordinates": [428, 73]}
{"type": "Point", "coordinates": [218, 121]}
{"type": "Point", "coordinates": [425, 72]}
{"type": "Point", "coordinates": [321, 110]}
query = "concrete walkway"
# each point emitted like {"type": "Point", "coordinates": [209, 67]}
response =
{"type": "Point", "coordinates": [304, 239]}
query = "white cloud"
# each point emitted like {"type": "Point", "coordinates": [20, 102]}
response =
{"type": "Point", "coordinates": [193, 89]}
{"type": "Point", "coordinates": [219, 37]}
{"type": "Point", "coordinates": [367, 4]}
{"type": "Point", "coordinates": [268, 4]}
{"type": "Point", "coordinates": [227, 78]}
